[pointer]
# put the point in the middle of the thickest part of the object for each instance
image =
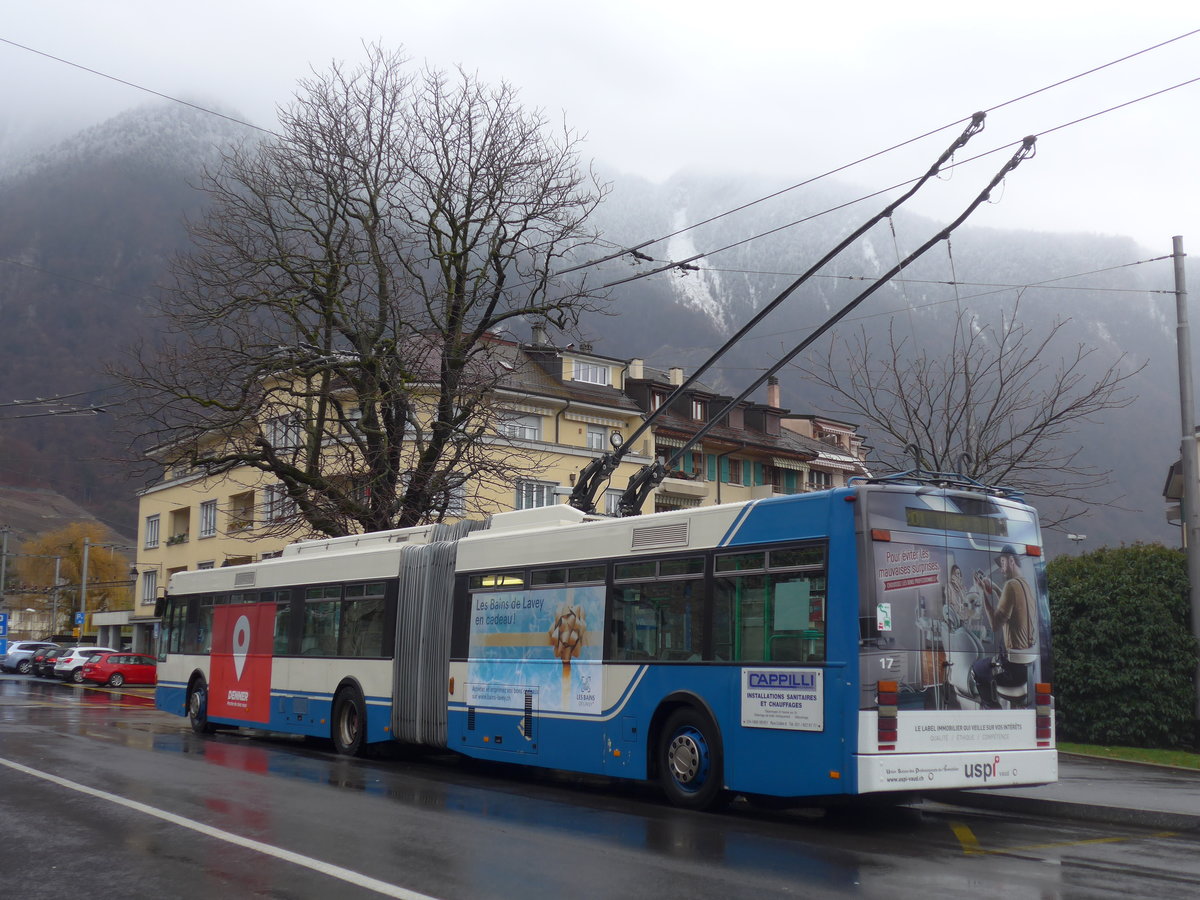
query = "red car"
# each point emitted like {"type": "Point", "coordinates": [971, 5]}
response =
{"type": "Point", "coordinates": [121, 668]}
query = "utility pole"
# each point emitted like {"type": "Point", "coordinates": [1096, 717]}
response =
{"type": "Point", "coordinates": [3, 567]}
{"type": "Point", "coordinates": [87, 542]}
{"type": "Point", "coordinates": [1190, 513]}
{"type": "Point", "coordinates": [54, 596]}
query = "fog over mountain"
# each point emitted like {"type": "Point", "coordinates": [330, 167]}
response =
{"type": "Point", "coordinates": [89, 225]}
{"type": "Point", "coordinates": [675, 316]}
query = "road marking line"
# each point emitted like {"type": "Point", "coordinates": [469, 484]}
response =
{"type": "Point", "coordinates": [971, 845]}
{"type": "Point", "coordinates": [348, 875]}
{"type": "Point", "coordinates": [966, 837]}
{"type": "Point", "coordinates": [1084, 843]}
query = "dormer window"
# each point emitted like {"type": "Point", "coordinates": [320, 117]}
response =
{"type": "Point", "coordinates": [592, 373]}
{"type": "Point", "coordinates": [699, 410]}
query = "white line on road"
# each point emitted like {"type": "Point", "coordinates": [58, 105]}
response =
{"type": "Point", "coordinates": [348, 875]}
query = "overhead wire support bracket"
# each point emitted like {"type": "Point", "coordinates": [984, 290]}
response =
{"type": "Point", "coordinates": [643, 481]}
{"type": "Point", "coordinates": [597, 472]}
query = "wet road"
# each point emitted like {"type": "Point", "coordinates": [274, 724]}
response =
{"type": "Point", "coordinates": [98, 789]}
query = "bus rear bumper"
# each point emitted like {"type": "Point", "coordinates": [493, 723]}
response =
{"type": "Point", "coordinates": [976, 769]}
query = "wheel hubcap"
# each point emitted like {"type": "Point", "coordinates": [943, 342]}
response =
{"type": "Point", "coordinates": [349, 724]}
{"type": "Point", "coordinates": [688, 758]}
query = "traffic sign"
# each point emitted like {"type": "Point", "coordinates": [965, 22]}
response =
{"type": "Point", "coordinates": [3, 624]}
{"type": "Point", "coordinates": [78, 618]}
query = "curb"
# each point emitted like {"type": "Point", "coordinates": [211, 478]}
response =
{"type": "Point", "coordinates": [1131, 762]}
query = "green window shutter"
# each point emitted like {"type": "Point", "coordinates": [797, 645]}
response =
{"type": "Point", "coordinates": [712, 467]}
{"type": "Point", "coordinates": [725, 469]}
{"type": "Point", "coordinates": [789, 482]}
{"type": "Point", "coordinates": [758, 473]}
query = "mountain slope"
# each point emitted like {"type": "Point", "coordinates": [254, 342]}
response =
{"type": "Point", "coordinates": [1114, 310]}
{"type": "Point", "coordinates": [90, 225]}
{"type": "Point", "coordinates": [87, 230]}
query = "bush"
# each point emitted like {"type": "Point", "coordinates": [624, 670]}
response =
{"type": "Point", "coordinates": [1124, 654]}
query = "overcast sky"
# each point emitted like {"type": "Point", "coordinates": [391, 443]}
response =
{"type": "Point", "coordinates": [782, 89]}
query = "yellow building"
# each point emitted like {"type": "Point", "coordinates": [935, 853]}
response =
{"type": "Point", "coordinates": [561, 407]}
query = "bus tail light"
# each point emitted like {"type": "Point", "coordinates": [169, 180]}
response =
{"type": "Point", "coordinates": [880, 534]}
{"type": "Point", "coordinates": [1044, 705]}
{"type": "Point", "coordinates": [886, 698]}
{"type": "Point", "coordinates": [1033, 550]}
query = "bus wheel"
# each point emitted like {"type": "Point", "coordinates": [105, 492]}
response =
{"type": "Point", "coordinates": [689, 761]}
{"type": "Point", "coordinates": [197, 707]}
{"type": "Point", "coordinates": [349, 722]}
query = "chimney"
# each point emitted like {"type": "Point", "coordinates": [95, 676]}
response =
{"type": "Point", "coordinates": [675, 375]}
{"type": "Point", "coordinates": [635, 368]}
{"type": "Point", "coordinates": [773, 398]}
{"type": "Point", "coordinates": [538, 339]}
{"type": "Point", "coordinates": [585, 347]}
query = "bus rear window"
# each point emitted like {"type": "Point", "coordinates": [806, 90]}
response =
{"type": "Point", "coordinates": [945, 520]}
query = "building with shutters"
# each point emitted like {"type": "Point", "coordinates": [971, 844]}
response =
{"type": "Point", "coordinates": [561, 406]}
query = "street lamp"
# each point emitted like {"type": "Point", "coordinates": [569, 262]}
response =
{"type": "Point", "coordinates": [1076, 539]}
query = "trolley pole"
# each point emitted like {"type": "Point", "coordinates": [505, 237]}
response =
{"type": "Point", "coordinates": [1190, 513]}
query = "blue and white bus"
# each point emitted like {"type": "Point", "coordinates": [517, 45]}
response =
{"type": "Point", "coordinates": [882, 638]}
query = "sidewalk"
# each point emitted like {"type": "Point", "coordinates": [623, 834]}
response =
{"type": "Point", "coordinates": [1101, 790]}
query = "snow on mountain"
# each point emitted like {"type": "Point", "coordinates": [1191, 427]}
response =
{"type": "Point", "coordinates": [159, 134]}
{"type": "Point", "coordinates": [90, 224]}
{"type": "Point", "coordinates": [700, 290]}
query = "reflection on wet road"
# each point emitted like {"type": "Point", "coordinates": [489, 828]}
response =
{"type": "Point", "coordinates": [432, 824]}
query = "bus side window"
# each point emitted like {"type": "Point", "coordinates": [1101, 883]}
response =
{"type": "Point", "coordinates": [204, 626]}
{"type": "Point", "coordinates": [633, 624]}
{"type": "Point", "coordinates": [322, 615]}
{"type": "Point", "coordinates": [283, 629]}
{"type": "Point", "coordinates": [361, 627]}
{"type": "Point", "coordinates": [774, 615]}
{"type": "Point", "coordinates": [658, 612]}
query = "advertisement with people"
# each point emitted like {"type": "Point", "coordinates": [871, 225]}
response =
{"type": "Point", "coordinates": [546, 642]}
{"type": "Point", "coordinates": [961, 626]}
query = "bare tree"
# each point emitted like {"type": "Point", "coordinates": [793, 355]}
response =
{"type": "Point", "coordinates": [994, 405]}
{"type": "Point", "coordinates": [339, 322]}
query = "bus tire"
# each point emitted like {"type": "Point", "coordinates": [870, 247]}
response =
{"type": "Point", "coordinates": [349, 727]}
{"type": "Point", "coordinates": [690, 764]}
{"type": "Point", "coordinates": [197, 707]}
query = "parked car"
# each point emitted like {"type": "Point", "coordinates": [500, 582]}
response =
{"type": "Point", "coordinates": [121, 668]}
{"type": "Point", "coordinates": [43, 661]}
{"type": "Point", "coordinates": [69, 665]}
{"type": "Point", "coordinates": [20, 655]}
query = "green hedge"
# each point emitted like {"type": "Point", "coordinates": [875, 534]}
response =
{"type": "Point", "coordinates": [1124, 654]}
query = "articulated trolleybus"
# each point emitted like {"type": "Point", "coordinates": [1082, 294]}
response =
{"type": "Point", "coordinates": [878, 639]}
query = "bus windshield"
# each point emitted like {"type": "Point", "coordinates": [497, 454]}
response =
{"type": "Point", "coordinates": [954, 605]}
